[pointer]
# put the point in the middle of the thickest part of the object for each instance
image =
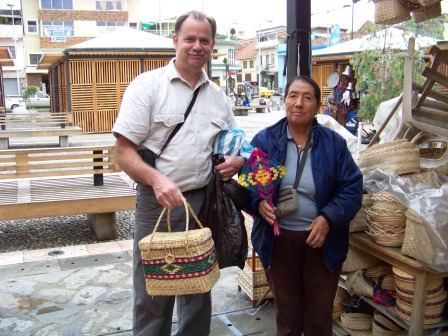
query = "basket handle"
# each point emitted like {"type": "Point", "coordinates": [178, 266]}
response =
{"type": "Point", "coordinates": [187, 209]}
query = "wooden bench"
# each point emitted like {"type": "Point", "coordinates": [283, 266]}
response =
{"type": "Point", "coordinates": [17, 125]}
{"type": "Point", "coordinates": [50, 182]}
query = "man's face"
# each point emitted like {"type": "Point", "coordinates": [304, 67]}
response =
{"type": "Point", "coordinates": [193, 44]}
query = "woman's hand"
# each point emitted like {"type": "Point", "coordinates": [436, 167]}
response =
{"type": "Point", "coordinates": [319, 229]}
{"type": "Point", "coordinates": [267, 212]}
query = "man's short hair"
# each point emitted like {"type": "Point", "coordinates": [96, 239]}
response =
{"type": "Point", "coordinates": [197, 16]}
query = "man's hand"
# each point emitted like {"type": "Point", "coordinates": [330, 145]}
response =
{"type": "Point", "coordinates": [167, 192]}
{"type": "Point", "coordinates": [230, 167]}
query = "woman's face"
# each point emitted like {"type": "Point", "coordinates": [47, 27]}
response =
{"type": "Point", "coordinates": [301, 104]}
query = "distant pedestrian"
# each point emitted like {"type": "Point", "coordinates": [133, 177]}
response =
{"type": "Point", "coordinates": [244, 100]}
{"type": "Point", "coordinates": [248, 89]}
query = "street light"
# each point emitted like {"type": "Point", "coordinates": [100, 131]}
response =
{"type": "Point", "coordinates": [259, 55]}
{"type": "Point", "coordinates": [328, 25]}
{"type": "Point", "coordinates": [15, 47]}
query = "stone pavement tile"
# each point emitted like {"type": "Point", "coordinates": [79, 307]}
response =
{"type": "Point", "coordinates": [101, 248]}
{"type": "Point", "coordinates": [11, 258]}
{"type": "Point", "coordinates": [38, 255]}
{"type": "Point", "coordinates": [125, 245]}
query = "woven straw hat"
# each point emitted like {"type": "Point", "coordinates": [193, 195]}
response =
{"type": "Point", "coordinates": [356, 321]}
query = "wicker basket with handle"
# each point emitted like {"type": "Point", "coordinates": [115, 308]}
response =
{"type": "Point", "coordinates": [179, 263]}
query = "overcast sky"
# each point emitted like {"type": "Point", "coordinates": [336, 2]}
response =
{"type": "Point", "coordinates": [248, 14]}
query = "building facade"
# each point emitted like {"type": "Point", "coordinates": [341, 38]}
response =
{"type": "Point", "coordinates": [51, 26]}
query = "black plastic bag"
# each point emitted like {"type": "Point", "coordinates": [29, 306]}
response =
{"type": "Point", "coordinates": [224, 218]}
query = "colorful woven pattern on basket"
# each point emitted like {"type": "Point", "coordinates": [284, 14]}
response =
{"type": "Point", "coordinates": [170, 267]}
{"type": "Point", "coordinates": [384, 296]}
{"type": "Point", "coordinates": [262, 174]}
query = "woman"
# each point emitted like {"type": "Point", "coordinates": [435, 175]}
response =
{"type": "Point", "coordinates": [303, 263]}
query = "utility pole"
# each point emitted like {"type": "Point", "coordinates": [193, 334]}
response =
{"type": "Point", "coordinates": [298, 27]}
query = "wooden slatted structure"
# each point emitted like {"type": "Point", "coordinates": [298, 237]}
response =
{"type": "Point", "coordinates": [89, 79]}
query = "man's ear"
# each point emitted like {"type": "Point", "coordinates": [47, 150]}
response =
{"type": "Point", "coordinates": [175, 41]}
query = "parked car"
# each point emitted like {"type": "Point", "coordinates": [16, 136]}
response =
{"type": "Point", "coordinates": [39, 100]}
{"type": "Point", "coordinates": [265, 92]}
{"type": "Point", "coordinates": [12, 102]}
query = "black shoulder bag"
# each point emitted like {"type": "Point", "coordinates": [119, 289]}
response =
{"type": "Point", "coordinates": [148, 155]}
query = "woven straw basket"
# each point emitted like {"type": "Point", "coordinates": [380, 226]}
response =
{"type": "Point", "coordinates": [356, 321]}
{"type": "Point", "coordinates": [179, 263]}
{"type": "Point", "coordinates": [380, 268]}
{"type": "Point", "coordinates": [357, 259]}
{"type": "Point", "coordinates": [433, 308]}
{"type": "Point", "coordinates": [427, 12]}
{"type": "Point", "coordinates": [359, 224]}
{"type": "Point", "coordinates": [357, 284]}
{"type": "Point", "coordinates": [406, 158]}
{"type": "Point", "coordinates": [390, 12]}
{"type": "Point", "coordinates": [416, 242]}
{"type": "Point", "coordinates": [405, 284]}
{"type": "Point", "coordinates": [338, 304]}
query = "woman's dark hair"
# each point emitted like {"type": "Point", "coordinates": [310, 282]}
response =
{"type": "Point", "coordinates": [308, 80]}
{"type": "Point", "coordinates": [197, 16]}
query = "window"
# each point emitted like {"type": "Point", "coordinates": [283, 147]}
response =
{"type": "Point", "coordinates": [109, 5]}
{"type": "Point", "coordinates": [32, 26]}
{"type": "Point", "coordinates": [215, 51]}
{"type": "Point", "coordinates": [56, 4]}
{"type": "Point", "coordinates": [57, 28]}
{"type": "Point", "coordinates": [244, 64]}
{"type": "Point", "coordinates": [267, 59]}
{"type": "Point", "coordinates": [231, 56]}
{"type": "Point", "coordinates": [34, 59]}
{"type": "Point", "coordinates": [12, 50]}
{"type": "Point", "coordinates": [251, 64]}
{"type": "Point", "coordinates": [133, 25]}
{"type": "Point", "coordinates": [272, 59]}
{"type": "Point", "coordinates": [105, 26]}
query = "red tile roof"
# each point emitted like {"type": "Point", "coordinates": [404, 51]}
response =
{"type": "Point", "coordinates": [247, 51]}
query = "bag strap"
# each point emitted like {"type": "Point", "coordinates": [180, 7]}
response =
{"type": "Point", "coordinates": [178, 126]}
{"type": "Point", "coordinates": [188, 209]}
{"type": "Point", "coordinates": [301, 162]}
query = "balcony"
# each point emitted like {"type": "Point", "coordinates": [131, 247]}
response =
{"type": "Point", "coordinates": [7, 32]}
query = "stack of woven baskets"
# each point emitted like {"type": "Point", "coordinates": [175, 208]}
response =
{"type": "Point", "coordinates": [436, 297]}
{"type": "Point", "coordinates": [405, 158]}
{"type": "Point", "coordinates": [386, 220]}
{"type": "Point", "coordinates": [395, 11]}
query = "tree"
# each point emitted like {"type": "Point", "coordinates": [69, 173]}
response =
{"type": "Point", "coordinates": [232, 31]}
{"type": "Point", "coordinates": [29, 91]}
{"type": "Point", "coordinates": [380, 73]}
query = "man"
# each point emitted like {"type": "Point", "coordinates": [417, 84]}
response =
{"type": "Point", "coordinates": [153, 104]}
